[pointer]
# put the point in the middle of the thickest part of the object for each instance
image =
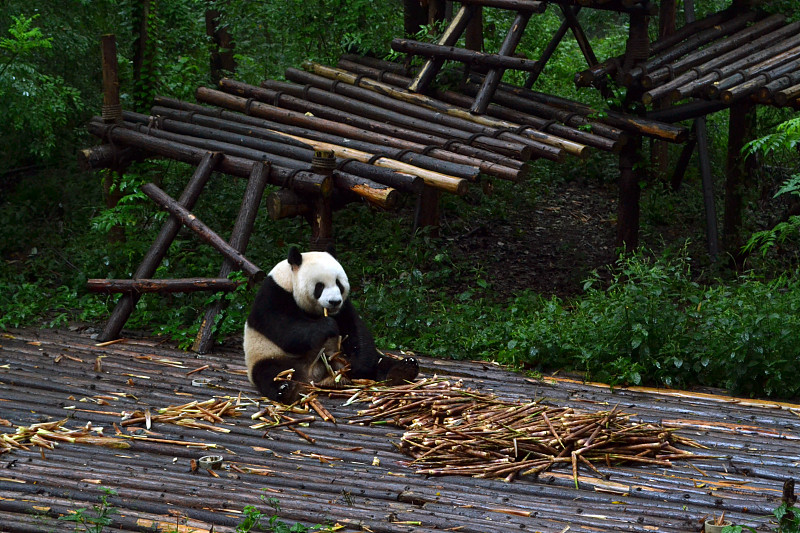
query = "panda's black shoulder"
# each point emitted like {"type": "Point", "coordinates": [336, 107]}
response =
{"type": "Point", "coordinates": [271, 300]}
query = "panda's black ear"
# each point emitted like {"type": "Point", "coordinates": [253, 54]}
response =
{"type": "Point", "coordinates": [331, 249]}
{"type": "Point", "coordinates": [295, 257]}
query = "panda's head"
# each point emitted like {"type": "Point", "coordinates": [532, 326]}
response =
{"type": "Point", "coordinates": [316, 280]}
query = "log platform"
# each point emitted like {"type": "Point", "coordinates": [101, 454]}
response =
{"type": "Point", "coordinates": [350, 475]}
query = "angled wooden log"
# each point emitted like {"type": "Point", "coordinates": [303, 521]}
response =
{"type": "Point", "coordinates": [381, 96]}
{"type": "Point", "coordinates": [303, 181]}
{"type": "Point", "coordinates": [493, 77]}
{"type": "Point", "coordinates": [726, 69]}
{"type": "Point", "coordinates": [784, 82]}
{"type": "Point", "coordinates": [240, 237]}
{"type": "Point", "coordinates": [374, 118]}
{"type": "Point", "coordinates": [161, 285]}
{"type": "Point", "coordinates": [430, 158]}
{"type": "Point", "coordinates": [154, 256]}
{"type": "Point", "coordinates": [462, 55]}
{"type": "Point", "coordinates": [548, 51]}
{"type": "Point", "coordinates": [431, 67]}
{"type": "Point", "coordinates": [108, 156]}
{"type": "Point", "coordinates": [285, 203]}
{"type": "Point", "coordinates": [728, 90]}
{"type": "Point", "coordinates": [189, 220]}
{"type": "Point", "coordinates": [649, 72]}
{"type": "Point", "coordinates": [704, 62]}
{"type": "Point", "coordinates": [786, 96]}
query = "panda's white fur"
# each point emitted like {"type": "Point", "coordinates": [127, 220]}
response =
{"type": "Point", "coordinates": [288, 328]}
{"type": "Point", "coordinates": [317, 283]}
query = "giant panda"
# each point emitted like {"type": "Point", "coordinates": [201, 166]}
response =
{"type": "Point", "coordinates": [288, 328]}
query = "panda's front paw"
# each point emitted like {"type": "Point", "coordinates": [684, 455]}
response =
{"type": "Point", "coordinates": [289, 392]}
{"type": "Point", "coordinates": [400, 371]}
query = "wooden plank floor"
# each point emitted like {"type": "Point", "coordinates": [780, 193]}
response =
{"type": "Point", "coordinates": [352, 475]}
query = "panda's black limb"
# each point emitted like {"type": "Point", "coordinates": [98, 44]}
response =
{"type": "Point", "coordinates": [397, 371]}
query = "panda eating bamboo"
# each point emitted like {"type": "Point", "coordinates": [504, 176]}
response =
{"type": "Point", "coordinates": [300, 318]}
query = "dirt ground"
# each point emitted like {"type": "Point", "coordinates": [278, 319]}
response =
{"type": "Point", "coordinates": [550, 249]}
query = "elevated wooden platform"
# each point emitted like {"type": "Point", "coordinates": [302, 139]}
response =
{"type": "Point", "coordinates": [351, 475]}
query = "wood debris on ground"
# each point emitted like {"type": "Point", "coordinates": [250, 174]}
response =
{"type": "Point", "coordinates": [47, 435]}
{"type": "Point", "coordinates": [455, 430]}
{"type": "Point", "coordinates": [199, 415]}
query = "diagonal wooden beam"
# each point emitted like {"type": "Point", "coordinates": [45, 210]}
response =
{"type": "Point", "coordinates": [448, 38]}
{"type": "Point", "coordinates": [158, 249]}
{"type": "Point", "coordinates": [493, 77]}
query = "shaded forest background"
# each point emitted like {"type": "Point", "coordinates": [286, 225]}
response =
{"type": "Point", "coordinates": [526, 276]}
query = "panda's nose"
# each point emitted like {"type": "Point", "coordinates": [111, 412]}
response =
{"type": "Point", "coordinates": [335, 302]}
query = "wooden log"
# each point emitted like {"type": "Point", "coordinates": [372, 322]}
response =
{"type": "Point", "coordinates": [404, 103]}
{"type": "Point", "coordinates": [615, 120]}
{"type": "Point", "coordinates": [571, 18]}
{"type": "Point", "coordinates": [302, 181]}
{"type": "Point", "coordinates": [522, 6]}
{"type": "Point", "coordinates": [649, 72]}
{"type": "Point", "coordinates": [679, 113]}
{"type": "Point", "coordinates": [431, 67]}
{"type": "Point", "coordinates": [729, 90]}
{"type": "Point", "coordinates": [378, 119]}
{"type": "Point", "coordinates": [548, 51]}
{"type": "Point", "coordinates": [704, 62]}
{"type": "Point", "coordinates": [456, 152]}
{"type": "Point", "coordinates": [620, 6]}
{"type": "Point", "coordinates": [786, 96]}
{"type": "Point", "coordinates": [112, 108]}
{"type": "Point", "coordinates": [285, 203]}
{"type": "Point", "coordinates": [735, 46]}
{"type": "Point", "coordinates": [161, 285]}
{"type": "Point", "coordinates": [108, 156]}
{"type": "Point", "coordinates": [462, 55]}
{"type": "Point", "coordinates": [240, 237]}
{"type": "Point", "coordinates": [723, 70]}
{"type": "Point", "coordinates": [189, 220]}
{"type": "Point", "coordinates": [431, 178]}
{"type": "Point", "coordinates": [377, 194]}
{"type": "Point", "coordinates": [297, 156]}
{"type": "Point", "coordinates": [493, 77]}
{"type": "Point", "coordinates": [510, 114]}
{"type": "Point", "coordinates": [739, 129]}
{"type": "Point", "coordinates": [629, 194]}
{"type": "Point", "coordinates": [430, 158]}
{"type": "Point", "coordinates": [784, 82]}
{"type": "Point", "coordinates": [158, 249]}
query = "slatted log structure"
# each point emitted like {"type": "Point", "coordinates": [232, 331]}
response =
{"type": "Point", "coordinates": [346, 474]}
{"type": "Point", "coordinates": [724, 58]}
{"type": "Point", "coordinates": [390, 130]}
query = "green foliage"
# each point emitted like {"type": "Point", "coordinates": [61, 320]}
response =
{"type": "Point", "coordinates": [37, 106]}
{"type": "Point", "coordinates": [788, 518]}
{"type": "Point", "coordinates": [101, 518]}
{"type": "Point", "coordinates": [254, 521]}
{"type": "Point", "coordinates": [785, 140]}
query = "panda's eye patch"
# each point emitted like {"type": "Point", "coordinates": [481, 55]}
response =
{"type": "Point", "coordinates": [318, 288]}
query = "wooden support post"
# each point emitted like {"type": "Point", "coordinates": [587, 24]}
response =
{"type": "Point", "coordinates": [427, 213]}
{"type": "Point", "coordinates": [112, 114]}
{"type": "Point", "coordinates": [321, 216]}
{"type": "Point", "coordinates": [629, 193]}
{"type": "Point", "coordinates": [112, 109]}
{"type": "Point", "coordinates": [189, 220]}
{"type": "Point", "coordinates": [739, 128]}
{"type": "Point", "coordinates": [414, 17]}
{"type": "Point", "coordinates": [240, 237]}
{"type": "Point", "coordinates": [712, 237]}
{"type": "Point", "coordinates": [158, 249]}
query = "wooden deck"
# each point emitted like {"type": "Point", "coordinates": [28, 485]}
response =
{"type": "Point", "coordinates": [352, 475]}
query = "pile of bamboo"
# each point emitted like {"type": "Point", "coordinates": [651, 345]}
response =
{"type": "Point", "coordinates": [725, 57]}
{"type": "Point", "coordinates": [198, 415]}
{"type": "Point", "coordinates": [455, 430]}
{"type": "Point", "coordinates": [47, 435]}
